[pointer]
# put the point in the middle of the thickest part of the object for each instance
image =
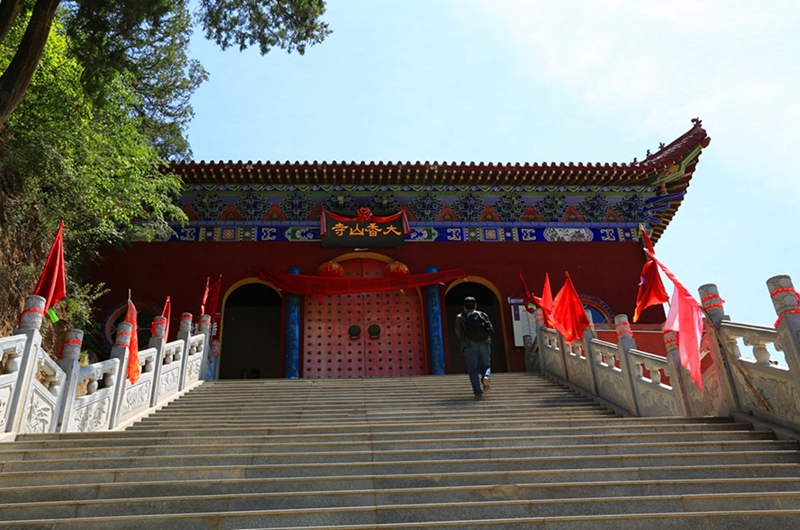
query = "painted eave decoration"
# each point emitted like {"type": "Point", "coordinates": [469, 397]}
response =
{"type": "Point", "coordinates": [472, 196]}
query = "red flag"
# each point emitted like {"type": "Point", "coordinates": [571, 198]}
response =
{"type": "Point", "coordinates": [651, 289]}
{"type": "Point", "coordinates": [165, 313]}
{"type": "Point", "coordinates": [546, 302]}
{"type": "Point", "coordinates": [213, 298]}
{"type": "Point", "coordinates": [134, 370]}
{"type": "Point", "coordinates": [685, 318]}
{"type": "Point", "coordinates": [569, 316]}
{"type": "Point", "coordinates": [52, 284]}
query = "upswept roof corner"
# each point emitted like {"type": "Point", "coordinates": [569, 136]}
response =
{"type": "Point", "coordinates": [670, 168]}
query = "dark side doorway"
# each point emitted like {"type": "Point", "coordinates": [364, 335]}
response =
{"type": "Point", "coordinates": [251, 333]}
{"type": "Point", "coordinates": [487, 302]}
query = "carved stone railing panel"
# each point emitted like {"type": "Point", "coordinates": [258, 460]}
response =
{"type": "Point", "coordinates": [551, 351]}
{"type": "Point", "coordinates": [194, 360]}
{"type": "Point", "coordinates": [755, 337]}
{"type": "Point", "coordinates": [169, 375]}
{"type": "Point", "coordinates": [92, 412]}
{"type": "Point", "coordinates": [578, 367]}
{"type": "Point", "coordinates": [136, 397]}
{"type": "Point", "coordinates": [653, 397]}
{"type": "Point", "coordinates": [715, 398]}
{"type": "Point", "coordinates": [768, 390]}
{"type": "Point", "coordinates": [610, 378]}
{"type": "Point", "coordinates": [11, 349]}
{"type": "Point", "coordinates": [761, 385]}
{"type": "Point", "coordinates": [39, 406]}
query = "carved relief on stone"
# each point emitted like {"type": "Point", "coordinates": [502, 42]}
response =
{"type": "Point", "coordinates": [579, 372]}
{"type": "Point", "coordinates": [5, 397]}
{"type": "Point", "coordinates": [93, 416]}
{"type": "Point", "coordinates": [38, 414]}
{"type": "Point", "coordinates": [779, 396]}
{"type": "Point", "coordinates": [611, 386]}
{"type": "Point", "coordinates": [655, 403]}
{"type": "Point", "coordinates": [168, 383]}
{"type": "Point", "coordinates": [712, 402]}
{"type": "Point", "coordinates": [136, 397]}
{"type": "Point", "coordinates": [193, 370]}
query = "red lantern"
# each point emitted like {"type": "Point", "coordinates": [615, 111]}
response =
{"type": "Point", "coordinates": [330, 268]}
{"type": "Point", "coordinates": [395, 269]}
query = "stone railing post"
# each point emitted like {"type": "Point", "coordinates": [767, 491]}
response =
{"type": "Point", "coordinates": [70, 352]}
{"type": "Point", "coordinates": [185, 334]}
{"type": "Point", "coordinates": [625, 343]}
{"type": "Point", "coordinates": [435, 334]}
{"type": "Point", "coordinates": [678, 380]}
{"type": "Point", "coordinates": [205, 329]}
{"type": "Point", "coordinates": [712, 303]}
{"type": "Point", "coordinates": [787, 307]}
{"type": "Point", "coordinates": [121, 352]}
{"type": "Point", "coordinates": [531, 357]}
{"type": "Point", "coordinates": [30, 322]}
{"type": "Point", "coordinates": [588, 334]}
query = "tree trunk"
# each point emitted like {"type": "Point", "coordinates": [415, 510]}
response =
{"type": "Point", "coordinates": [9, 10]}
{"type": "Point", "coordinates": [17, 77]}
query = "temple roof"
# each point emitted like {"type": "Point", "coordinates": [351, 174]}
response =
{"type": "Point", "coordinates": [670, 168]}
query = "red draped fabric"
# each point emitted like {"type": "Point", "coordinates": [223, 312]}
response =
{"type": "Point", "coordinates": [323, 285]}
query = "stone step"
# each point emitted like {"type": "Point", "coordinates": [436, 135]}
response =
{"type": "Point", "coordinates": [349, 416]}
{"type": "Point", "coordinates": [246, 511]}
{"type": "Point", "coordinates": [431, 449]}
{"type": "Point", "coordinates": [480, 460]}
{"type": "Point", "coordinates": [400, 453]}
{"type": "Point", "coordinates": [444, 440]}
{"type": "Point", "coordinates": [363, 476]}
{"type": "Point", "coordinates": [401, 489]}
{"type": "Point", "coordinates": [589, 425]}
{"type": "Point", "coordinates": [573, 435]}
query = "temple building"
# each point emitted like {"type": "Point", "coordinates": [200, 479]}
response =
{"type": "Point", "coordinates": [345, 269]}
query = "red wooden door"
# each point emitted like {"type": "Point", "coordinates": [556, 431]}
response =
{"type": "Point", "coordinates": [364, 335]}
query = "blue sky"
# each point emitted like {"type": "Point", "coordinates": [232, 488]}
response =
{"type": "Point", "coordinates": [543, 81]}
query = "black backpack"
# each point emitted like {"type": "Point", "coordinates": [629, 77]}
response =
{"type": "Point", "coordinates": [477, 326]}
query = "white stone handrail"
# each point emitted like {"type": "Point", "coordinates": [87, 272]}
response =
{"type": "Point", "coordinates": [643, 384]}
{"type": "Point", "coordinates": [39, 394]}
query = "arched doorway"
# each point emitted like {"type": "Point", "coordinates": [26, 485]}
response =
{"type": "Point", "coordinates": [377, 334]}
{"type": "Point", "coordinates": [487, 302]}
{"type": "Point", "coordinates": [251, 333]}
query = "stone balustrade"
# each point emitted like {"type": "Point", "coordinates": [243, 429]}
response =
{"type": "Point", "coordinates": [41, 395]}
{"type": "Point", "coordinates": [739, 375]}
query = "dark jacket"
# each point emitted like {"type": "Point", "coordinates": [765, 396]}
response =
{"type": "Point", "coordinates": [461, 328]}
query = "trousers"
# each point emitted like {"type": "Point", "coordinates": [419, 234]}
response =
{"type": "Point", "coordinates": [478, 357]}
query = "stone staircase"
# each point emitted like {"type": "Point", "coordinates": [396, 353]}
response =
{"type": "Point", "coordinates": [401, 453]}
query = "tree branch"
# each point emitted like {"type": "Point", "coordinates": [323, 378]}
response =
{"type": "Point", "coordinates": [9, 10]}
{"type": "Point", "coordinates": [15, 80]}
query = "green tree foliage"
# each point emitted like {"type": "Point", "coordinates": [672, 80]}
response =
{"type": "Point", "coordinates": [147, 41]}
{"type": "Point", "coordinates": [64, 158]}
{"type": "Point", "coordinates": [94, 99]}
